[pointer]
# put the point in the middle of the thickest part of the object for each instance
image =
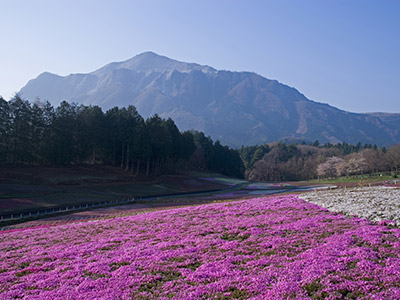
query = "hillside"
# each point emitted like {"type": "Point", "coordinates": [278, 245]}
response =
{"type": "Point", "coordinates": [35, 188]}
{"type": "Point", "coordinates": [277, 247]}
{"type": "Point", "coordinates": [237, 108]}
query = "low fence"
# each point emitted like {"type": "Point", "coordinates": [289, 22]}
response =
{"type": "Point", "coordinates": [60, 209]}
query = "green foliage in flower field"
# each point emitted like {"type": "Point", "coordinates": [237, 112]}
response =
{"type": "Point", "coordinates": [362, 179]}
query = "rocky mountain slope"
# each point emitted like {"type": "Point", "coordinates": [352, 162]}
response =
{"type": "Point", "coordinates": [237, 108]}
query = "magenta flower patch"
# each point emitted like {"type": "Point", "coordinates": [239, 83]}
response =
{"type": "Point", "coordinates": [267, 248]}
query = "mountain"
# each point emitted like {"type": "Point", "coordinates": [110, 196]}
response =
{"type": "Point", "coordinates": [237, 108]}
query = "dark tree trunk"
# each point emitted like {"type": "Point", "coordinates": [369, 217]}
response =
{"type": "Point", "coordinates": [113, 154]}
{"type": "Point", "coordinates": [132, 165]}
{"type": "Point", "coordinates": [122, 155]}
{"type": "Point", "coordinates": [93, 156]}
{"type": "Point", "coordinates": [155, 166]}
{"type": "Point", "coordinates": [127, 158]}
{"type": "Point", "coordinates": [137, 167]}
{"type": "Point", "coordinates": [148, 167]}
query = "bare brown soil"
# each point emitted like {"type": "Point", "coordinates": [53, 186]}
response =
{"type": "Point", "coordinates": [28, 188]}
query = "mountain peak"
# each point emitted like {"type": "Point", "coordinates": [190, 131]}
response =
{"type": "Point", "coordinates": [237, 108]}
{"type": "Point", "coordinates": [150, 54]}
{"type": "Point", "coordinates": [153, 62]}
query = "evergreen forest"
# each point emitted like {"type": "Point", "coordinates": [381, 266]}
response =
{"type": "Point", "coordinates": [38, 134]}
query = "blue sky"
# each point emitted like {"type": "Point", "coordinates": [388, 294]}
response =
{"type": "Point", "coordinates": [342, 52]}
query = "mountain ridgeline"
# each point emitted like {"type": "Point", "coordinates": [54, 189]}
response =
{"type": "Point", "coordinates": [236, 108]}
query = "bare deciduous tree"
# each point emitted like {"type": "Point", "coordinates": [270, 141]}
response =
{"type": "Point", "coordinates": [393, 157]}
{"type": "Point", "coordinates": [329, 168]}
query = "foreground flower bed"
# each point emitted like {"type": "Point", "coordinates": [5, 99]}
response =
{"type": "Point", "coordinates": [267, 248]}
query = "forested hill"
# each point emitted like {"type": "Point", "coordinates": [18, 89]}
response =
{"type": "Point", "coordinates": [237, 108]}
{"type": "Point", "coordinates": [38, 134]}
{"type": "Point", "coordinates": [70, 134]}
{"type": "Point", "coordinates": [283, 162]}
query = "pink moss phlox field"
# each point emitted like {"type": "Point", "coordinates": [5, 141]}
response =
{"type": "Point", "coordinates": [265, 248]}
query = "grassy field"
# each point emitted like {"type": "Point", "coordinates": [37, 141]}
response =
{"type": "Point", "coordinates": [358, 180]}
{"type": "Point", "coordinates": [34, 188]}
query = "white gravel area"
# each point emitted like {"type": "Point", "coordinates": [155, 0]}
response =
{"type": "Point", "coordinates": [372, 203]}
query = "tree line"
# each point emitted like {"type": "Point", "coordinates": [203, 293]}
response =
{"type": "Point", "coordinates": [39, 134]}
{"type": "Point", "coordinates": [281, 161]}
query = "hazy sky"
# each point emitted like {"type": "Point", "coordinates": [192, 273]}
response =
{"type": "Point", "coordinates": [342, 52]}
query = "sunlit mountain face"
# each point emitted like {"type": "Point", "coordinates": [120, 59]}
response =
{"type": "Point", "coordinates": [237, 108]}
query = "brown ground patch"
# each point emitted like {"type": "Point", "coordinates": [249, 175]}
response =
{"type": "Point", "coordinates": [29, 188]}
